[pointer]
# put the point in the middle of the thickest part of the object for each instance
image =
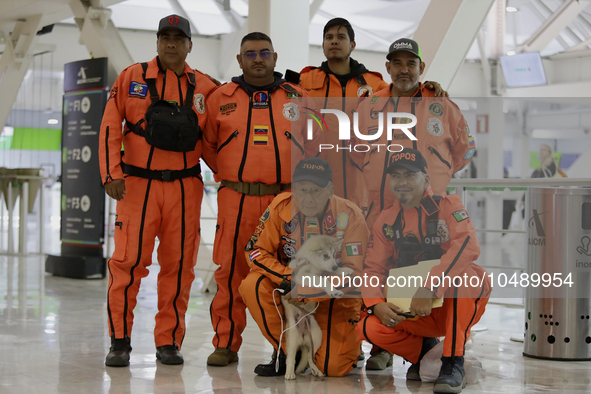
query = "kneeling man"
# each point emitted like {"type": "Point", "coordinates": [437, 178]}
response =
{"type": "Point", "coordinates": [421, 226]}
{"type": "Point", "coordinates": [293, 217]}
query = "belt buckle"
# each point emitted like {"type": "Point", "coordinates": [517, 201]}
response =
{"type": "Point", "coordinates": [167, 176]}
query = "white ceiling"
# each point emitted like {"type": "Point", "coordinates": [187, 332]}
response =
{"type": "Point", "coordinates": [376, 22]}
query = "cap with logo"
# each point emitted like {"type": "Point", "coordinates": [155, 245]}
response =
{"type": "Point", "coordinates": [176, 22]}
{"type": "Point", "coordinates": [313, 169]}
{"type": "Point", "coordinates": [405, 44]}
{"type": "Point", "coordinates": [408, 158]}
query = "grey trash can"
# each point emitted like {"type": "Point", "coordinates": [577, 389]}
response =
{"type": "Point", "coordinates": [557, 318]}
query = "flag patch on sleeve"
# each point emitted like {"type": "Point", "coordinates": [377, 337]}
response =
{"type": "Point", "coordinates": [353, 248]}
{"type": "Point", "coordinates": [460, 215]}
{"type": "Point", "coordinates": [254, 254]}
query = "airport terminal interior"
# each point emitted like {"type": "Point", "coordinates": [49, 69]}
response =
{"type": "Point", "coordinates": [518, 70]}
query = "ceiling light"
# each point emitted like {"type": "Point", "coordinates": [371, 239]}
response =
{"type": "Point", "coordinates": [511, 9]}
{"type": "Point", "coordinates": [52, 121]}
{"type": "Point", "coordinates": [510, 53]}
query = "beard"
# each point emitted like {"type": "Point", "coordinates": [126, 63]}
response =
{"type": "Point", "coordinates": [403, 198]}
{"type": "Point", "coordinates": [405, 85]}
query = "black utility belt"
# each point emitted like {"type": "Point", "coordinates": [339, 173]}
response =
{"type": "Point", "coordinates": [165, 176]}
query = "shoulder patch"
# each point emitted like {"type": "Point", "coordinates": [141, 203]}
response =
{"type": "Point", "coordinates": [460, 215]}
{"type": "Point", "coordinates": [138, 89]}
{"type": "Point", "coordinates": [266, 215]}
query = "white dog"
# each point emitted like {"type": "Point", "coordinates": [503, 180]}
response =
{"type": "Point", "coordinates": [316, 258]}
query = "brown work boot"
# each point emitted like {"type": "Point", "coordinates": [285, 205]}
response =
{"type": "Point", "coordinates": [221, 357]}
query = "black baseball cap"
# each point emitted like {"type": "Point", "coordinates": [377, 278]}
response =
{"type": "Point", "coordinates": [405, 44]}
{"type": "Point", "coordinates": [313, 169]}
{"type": "Point", "coordinates": [408, 158]}
{"type": "Point", "coordinates": [176, 22]}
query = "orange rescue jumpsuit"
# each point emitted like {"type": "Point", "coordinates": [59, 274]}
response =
{"type": "Point", "coordinates": [321, 83]}
{"type": "Point", "coordinates": [443, 138]}
{"type": "Point", "coordinates": [462, 306]}
{"type": "Point", "coordinates": [257, 135]}
{"type": "Point", "coordinates": [281, 231]}
{"type": "Point", "coordinates": [152, 208]}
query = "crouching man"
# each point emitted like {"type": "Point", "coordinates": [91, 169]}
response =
{"type": "Point", "coordinates": [422, 226]}
{"type": "Point", "coordinates": [309, 210]}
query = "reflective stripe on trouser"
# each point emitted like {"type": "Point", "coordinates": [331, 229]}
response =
{"type": "Point", "coordinates": [150, 209]}
{"type": "Point", "coordinates": [340, 348]}
{"type": "Point", "coordinates": [238, 216]}
{"type": "Point", "coordinates": [453, 320]}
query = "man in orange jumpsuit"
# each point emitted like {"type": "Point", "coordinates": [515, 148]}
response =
{"type": "Point", "coordinates": [339, 77]}
{"type": "Point", "coordinates": [292, 218]}
{"type": "Point", "coordinates": [442, 133]}
{"type": "Point", "coordinates": [418, 226]}
{"type": "Point", "coordinates": [157, 185]}
{"type": "Point", "coordinates": [256, 129]}
{"type": "Point", "coordinates": [336, 83]}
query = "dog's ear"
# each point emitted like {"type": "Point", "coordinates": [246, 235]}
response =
{"type": "Point", "coordinates": [298, 261]}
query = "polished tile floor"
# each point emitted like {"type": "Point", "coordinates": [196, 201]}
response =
{"type": "Point", "coordinates": [53, 339]}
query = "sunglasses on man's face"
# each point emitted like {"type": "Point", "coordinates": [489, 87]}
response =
{"type": "Point", "coordinates": [264, 54]}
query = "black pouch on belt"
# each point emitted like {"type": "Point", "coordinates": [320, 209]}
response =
{"type": "Point", "coordinates": [409, 250]}
{"type": "Point", "coordinates": [172, 127]}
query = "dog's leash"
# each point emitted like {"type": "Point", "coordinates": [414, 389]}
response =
{"type": "Point", "coordinates": [289, 328]}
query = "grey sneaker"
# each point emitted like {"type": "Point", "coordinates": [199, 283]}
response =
{"type": "Point", "coordinates": [379, 360]}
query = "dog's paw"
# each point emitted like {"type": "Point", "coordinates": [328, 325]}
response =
{"type": "Point", "coordinates": [290, 376]}
{"type": "Point", "coordinates": [347, 271]}
{"type": "Point", "coordinates": [336, 294]}
{"type": "Point", "coordinates": [316, 372]}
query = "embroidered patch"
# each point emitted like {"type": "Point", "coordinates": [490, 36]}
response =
{"type": "Point", "coordinates": [374, 99]}
{"type": "Point", "coordinates": [311, 223]}
{"type": "Point", "coordinates": [310, 235]}
{"type": "Point", "coordinates": [291, 226]}
{"type": "Point", "coordinates": [374, 114]}
{"type": "Point", "coordinates": [468, 131]}
{"type": "Point", "coordinates": [342, 221]}
{"type": "Point", "coordinates": [388, 232]}
{"type": "Point", "coordinates": [443, 231]}
{"type": "Point", "coordinates": [291, 111]}
{"type": "Point", "coordinates": [138, 89]}
{"type": "Point", "coordinates": [227, 109]}
{"type": "Point", "coordinates": [199, 103]}
{"type": "Point", "coordinates": [469, 154]}
{"type": "Point", "coordinates": [250, 245]}
{"type": "Point", "coordinates": [329, 224]}
{"type": "Point", "coordinates": [460, 215]}
{"type": "Point", "coordinates": [113, 92]}
{"type": "Point", "coordinates": [289, 250]}
{"type": "Point", "coordinates": [435, 127]}
{"type": "Point", "coordinates": [261, 135]}
{"type": "Point", "coordinates": [436, 109]}
{"type": "Point", "coordinates": [353, 248]}
{"type": "Point", "coordinates": [254, 254]}
{"type": "Point", "coordinates": [364, 89]}
{"type": "Point", "coordinates": [294, 95]}
{"type": "Point", "coordinates": [471, 142]}
{"type": "Point", "coordinates": [265, 215]}
{"type": "Point", "coordinates": [260, 100]}
{"type": "Point", "coordinates": [287, 239]}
